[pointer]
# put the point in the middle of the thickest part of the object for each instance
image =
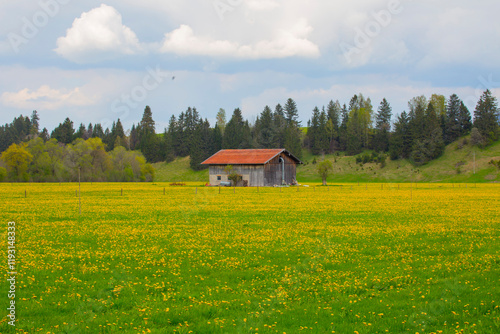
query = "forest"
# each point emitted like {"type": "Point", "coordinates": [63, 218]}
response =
{"type": "Point", "coordinates": [96, 154]}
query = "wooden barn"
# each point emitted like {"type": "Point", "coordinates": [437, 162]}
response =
{"type": "Point", "coordinates": [258, 168]}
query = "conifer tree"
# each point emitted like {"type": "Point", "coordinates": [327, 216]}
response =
{"type": "Point", "coordinates": [216, 139]}
{"type": "Point", "coordinates": [486, 116]}
{"type": "Point", "coordinates": [267, 136]}
{"type": "Point", "coordinates": [382, 127]}
{"type": "Point", "coordinates": [82, 131]}
{"type": "Point", "coordinates": [98, 132]}
{"type": "Point", "coordinates": [237, 133]}
{"type": "Point", "coordinates": [293, 134]}
{"type": "Point", "coordinates": [64, 132]}
{"type": "Point", "coordinates": [334, 112]}
{"type": "Point", "coordinates": [464, 120]}
{"type": "Point", "coordinates": [401, 140]}
{"type": "Point", "coordinates": [354, 133]}
{"type": "Point", "coordinates": [201, 145]}
{"type": "Point", "coordinates": [149, 143]}
{"type": "Point", "coordinates": [35, 123]}
{"type": "Point", "coordinates": [322, 136]}
{"type": "Point", "coordinates": [452, 123]}
{"type": "Point", "coordinates": [343, 128]}
{"type": "Point", "coordinates": [279, 124]}
{"type": "Point", "coordinates": [167, 151]}
{"type": "Point", "coordinates": [313, 132]}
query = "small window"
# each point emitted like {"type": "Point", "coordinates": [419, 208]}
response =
{"type": "Point", "coordinates": [219, 178]}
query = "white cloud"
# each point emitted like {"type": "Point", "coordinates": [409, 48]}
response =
{"type": "Point", "coordinates": [461, 36]}
{"type": "Point", "coordinates": [98, 34]}
{"type": "Point", "coordinates": [46, 98]}
{"type": "Point", "coordinates": [286, 43]}
{"type": "Point", "coordinates": [262, 5]}
{"type": "Point", "coordinates": [183, 41]}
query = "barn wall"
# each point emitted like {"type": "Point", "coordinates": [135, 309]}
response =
{"type": "Point", "coordinates": [273, 171]}
{"type": "Point", "coordinates": [213, 172]}
{"type": "Point", "coordinates": [254, 174]}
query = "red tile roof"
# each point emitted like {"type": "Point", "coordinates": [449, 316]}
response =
{"type": "Point", "coordinates": [245, 157]}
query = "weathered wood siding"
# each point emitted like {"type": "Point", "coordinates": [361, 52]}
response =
{"type": "Point", "coordinates": [273, 174]}
{"type": "Point", "coordinates": [254, 174]}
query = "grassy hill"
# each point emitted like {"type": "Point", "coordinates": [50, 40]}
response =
{"type": "Point", "coordinates": [456, 165]}
{"type": "Point", "coordinates": [178, 171]}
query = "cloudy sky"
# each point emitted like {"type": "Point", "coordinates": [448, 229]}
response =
{"type": "Point", "coordinates": [98, 61]}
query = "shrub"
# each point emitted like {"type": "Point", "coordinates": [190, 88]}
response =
{"type": "Point", "coordinates": [495, 163]}
{"type": "Point", "coordinates": [458, 167]}
{"type": "Point", "coordinates": [382, 160]}
{"type": "Point", "coordinates": [235, 178]}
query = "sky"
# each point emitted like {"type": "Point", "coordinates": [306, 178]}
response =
{"type": "Point", "coordinates": [95, 61]}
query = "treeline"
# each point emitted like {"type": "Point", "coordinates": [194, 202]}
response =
{"type": "Point", "coordinates": [188, 134]}
{"type": "Point", "coordinates": [90, 153]}
{"type": "Point", "coordinates": [50, 161]}
{"type": "Point", "coordinates": [419, 134]}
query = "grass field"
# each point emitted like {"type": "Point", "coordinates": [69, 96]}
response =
{"type": "Point", "coordinates": [373, 258]}
{"type": "Point", "coordinates": [456, 165]}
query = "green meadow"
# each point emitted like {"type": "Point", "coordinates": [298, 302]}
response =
{"type": "Point", "coordinates": [151, 258]}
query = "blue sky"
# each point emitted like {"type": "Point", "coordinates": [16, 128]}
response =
{"type": "Point", "coordinates": [98, 61]}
